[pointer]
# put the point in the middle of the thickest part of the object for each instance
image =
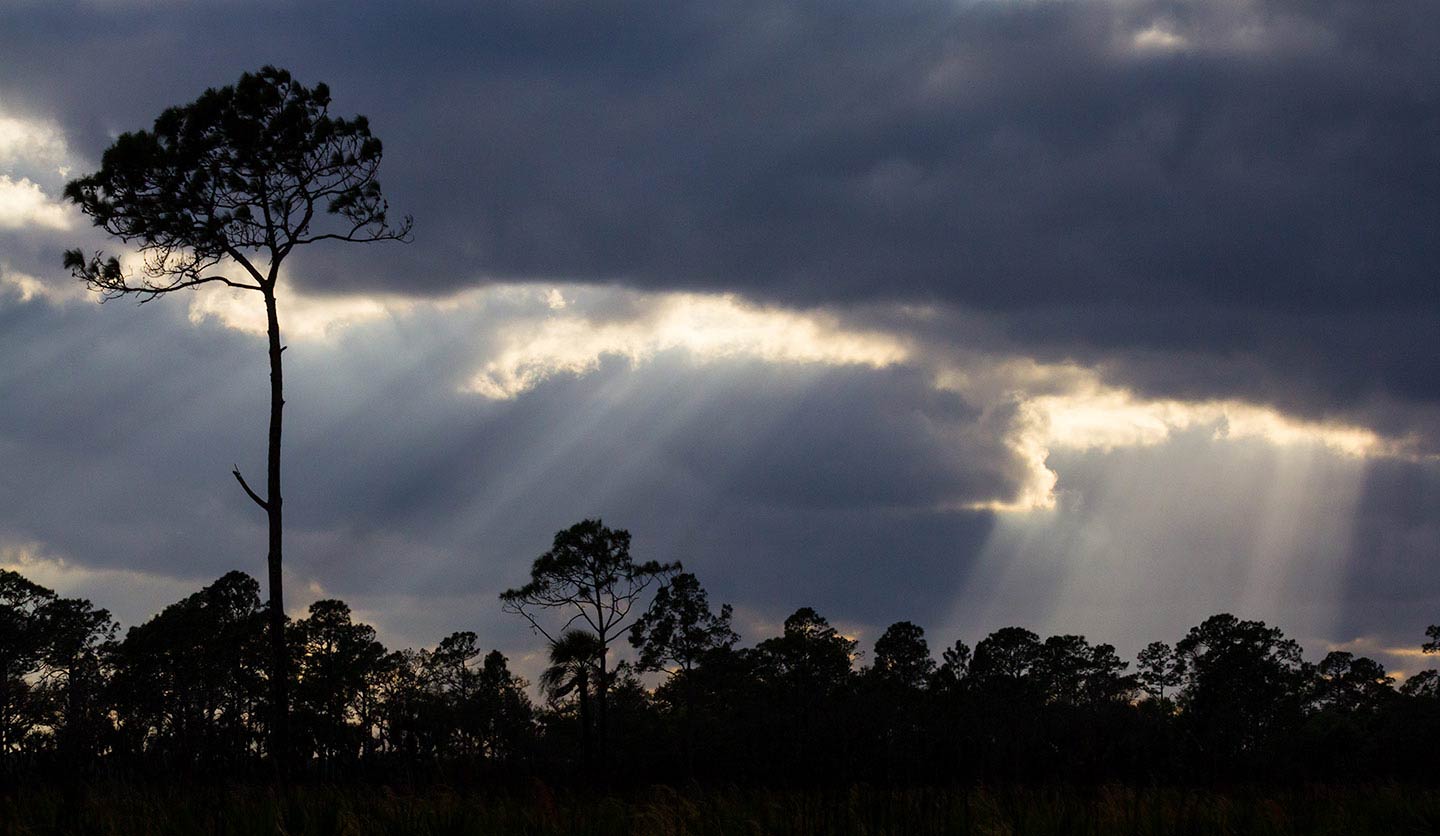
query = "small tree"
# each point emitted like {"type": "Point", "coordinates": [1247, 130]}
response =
{"type": "Point", "coordinates": [902, 657]}
{"type": "Point", "coordinates": [186, 680]}
{"type": "Point", "coordinates": [680, 629]}
{"type": "Point", "coordinates": [954, 667]}
{"type": "Point", "coordinates": [336, 659]}
{"type": "Point", "coordinates": [1244, 686]}
{"type": "Point", "coordinates": [588, 577]}
{"type": "Point", "coordinates": [235, 181]}
{"type": "Point", "coordinates": [23, 646]}
{"type": "Point", "coordinates": [1159, 667]}
{"type": "Point", "coordinates": [574, 668]}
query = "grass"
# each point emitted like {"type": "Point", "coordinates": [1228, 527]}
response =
{"type": "Point", "coordinates": [661, 811]}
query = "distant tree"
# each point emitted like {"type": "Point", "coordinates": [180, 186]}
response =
{"type": "Point", "coordinates": [680, 629]}
{"type": "Point", "coordinates": [78, 640]}
{"type": "Point", "coordinates": [954, 667]}
{"type": "Point", "coordinates": [810, 657]}
{"type": "Point", "coordinates": [402, 716]}
{"type": "Point", "coordinates": [1349, 683]}
{"type": "Point", "coordinates": [1072, 671]}
{"type": "Point", "coordinates": [1244, 686]}
{"type": "Point", "coordinates": [1159, 667]}
{"type": "Point", "coordinates": [455, 683]}
{"type": "Point", "coordinates": [506, 717]}
{"type": "Point", "coordinates": [189, 680]}
{"type": "Point", "coordinates": [1425, 684]}
{"type": "Point", "coordinates": [1006, 655]}
{"type": "Point", "coordinates": [892, 698]}
{"type": "Point", "coordinates": [804, 678]}
{"type": "Point", "coordinates": [902, 656]}
{"type": "Point", "coordinates": [236, 181]}
{"type": "Point", "coordinates": [574, 669]}
{"type": "Point", "coordinates": [23, 645]}
{"type": "Point", "coordinates": [587, 577]}
{"type": "Point", "coordinates": [336, 659]}
{"type": "Point", "coordinates": [53, 667]}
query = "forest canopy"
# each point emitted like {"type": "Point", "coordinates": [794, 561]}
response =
{"type": "Point", "coordinates": [186, 692]}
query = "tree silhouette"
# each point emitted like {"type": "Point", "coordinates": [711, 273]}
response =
{"type": "Point", "coordinates": [954, 667]}
{"type": "Point", "coordinates": [456, 682]}
{"type": "Point", "coordinates": [1243, 686]}
{"type": "Point", "coordinates": [188, 681]}
{"type": "Point", "coordinates": [804, 678]}
{"type": "Point", "coordinates": [235, 181]}
{"type": "Point", "coordinates": [1349, 683]}
{"type": "Point", "coordinates": [78, 638]}
{"type": "Point", "coordinates": [680, 629]}
{"type": "Point", "coordinates": [1158, 667]}
{"type": "Point", "coordinates": [895, 683]}
{"type": "Point", "coordinates": [810, 656]}
{"type": "Point", "coordinates": [503, 712]}
{"type": "Point", "coordinates": [574, 669]}
{"type": "Point", "coordinates": [902, 656]}
{"type": "Point", "coordinates": [1005, 656]}
{"type": "Point", "coordinates": [181, 697]}
{"type": "Point", "coordinates": [1425, 685]}
{"type": "Point", "coordinates": [336, 658]}
{"type": "Point", "coordinates": [589, 577]}
{"type": "Point", "coordinates": [23, 642]}
{"type": "Point", "coordinates": [1074, 672]}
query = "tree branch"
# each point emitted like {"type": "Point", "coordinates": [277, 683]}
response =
{"type": "Point", "coordinates": [241, 479]}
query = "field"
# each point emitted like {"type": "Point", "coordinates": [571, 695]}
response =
{"type": "Point", "coordinates": [660, 811]}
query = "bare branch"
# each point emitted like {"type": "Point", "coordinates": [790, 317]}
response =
{"type": "Point", "coordinates": [241, 479]}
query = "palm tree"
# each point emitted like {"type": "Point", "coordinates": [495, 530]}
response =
{"type": "Point", "coordinates": [574, 668]}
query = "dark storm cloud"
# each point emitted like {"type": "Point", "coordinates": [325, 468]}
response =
{"type": "Point", "coordinates": [1202, 196]}
{"type": "Point", "coordinates": [1241, 203]}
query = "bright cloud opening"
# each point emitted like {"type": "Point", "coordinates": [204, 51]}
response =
{"type": "Point", "coordinates": [30, 288]}
{"type": "Point", "coordinates": [132, 596]}
{"type": "Point", "coordinates": [1157, 38]}
{"type": "Point", "coordinates": [33, 143]}
{"type": "Point", "coordinates": [1097, 417]}
{"type": "Point", "coordinates": [302, 317]}
{"type": "Point", "coordinates": [526, 334]}
{"type": "Point", "coordinates": [24, 205]}
{"type": "Point", "coordinates": [707, 327]}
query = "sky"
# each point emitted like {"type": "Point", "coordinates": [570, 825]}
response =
{"type": "Point", "coordinates": [1087, 316]}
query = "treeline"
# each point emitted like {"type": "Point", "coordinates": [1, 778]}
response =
{"type": "Point", "coordinates": [185, 693]}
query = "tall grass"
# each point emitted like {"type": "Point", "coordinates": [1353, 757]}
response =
{"type": "Point", "coordinates": [661, 811]}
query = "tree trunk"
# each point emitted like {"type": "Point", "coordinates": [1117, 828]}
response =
{"type": "Point", "coordinates": [689, 723]}
{"type": "Point", "coordinates": [584, 695]}
{"type": "Point", "coordinates": [279, 656]}
{"type": "Point", "coordinates": [602, 693]}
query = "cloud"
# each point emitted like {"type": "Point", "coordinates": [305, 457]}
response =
{"type": "Point", "coordinates": [706, 327]}
{"type": "Point", "coordinates": [131, 597]}
{"type": "Point", "coordinates": [31, 143]}
{"type": "Point", "coordinates": [530, 334]}
{"type": "Point", "coordinates": [845, 305]}
{"type": "Point", "coordinates": [24, 204]}
{"type": "Point", "coordinates": [782, 479]}
{"type": "Point", "coordinates": [29, 287]}
{"type": "Point", "coordinates": [1223, 201]}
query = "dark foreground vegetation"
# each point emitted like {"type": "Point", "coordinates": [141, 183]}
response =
{"type": "Point", "coordinates": [659, 811]}
{"type": "Point", "coordinates": [184, 695]}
